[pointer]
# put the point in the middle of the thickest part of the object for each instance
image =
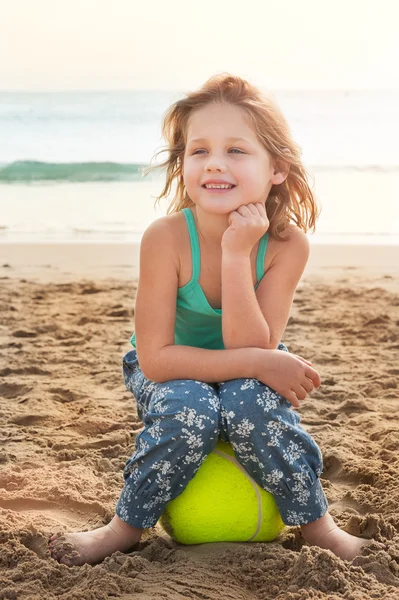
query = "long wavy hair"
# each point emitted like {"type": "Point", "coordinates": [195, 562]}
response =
{"type": "Point", "coordinates": [290, 201]}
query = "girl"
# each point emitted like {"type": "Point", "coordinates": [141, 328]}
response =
{"type": "Point", "coordinates": [217, 279]}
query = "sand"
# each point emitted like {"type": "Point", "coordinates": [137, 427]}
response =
{"type": "Point", "coordinates": [68, 424]}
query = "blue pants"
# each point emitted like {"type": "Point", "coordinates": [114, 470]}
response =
{"type": "Point", "coordinates": [183, 419]}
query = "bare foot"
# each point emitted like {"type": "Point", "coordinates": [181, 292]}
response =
{"type": "Point", "coordinates": [325, 533]}
{"type": "Point", "coordinates": [75, 549]}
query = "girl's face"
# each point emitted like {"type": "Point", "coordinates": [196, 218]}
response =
{"type": "Point", "coordinates": [222, 147]}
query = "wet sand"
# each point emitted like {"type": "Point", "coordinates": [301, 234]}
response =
{"type": "Point", "coordinates": [68, 424]}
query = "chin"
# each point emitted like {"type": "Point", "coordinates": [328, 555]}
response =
{"type": "Point", "coordinates": [218, 206]}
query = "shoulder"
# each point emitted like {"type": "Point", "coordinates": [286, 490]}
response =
{"type": "Point", "coordinates": [292, 252]}
{"type": "Point", "coordinates": [295, 242]}
{"type": "Point", "coordinates": [162, 229]}
{"type": "Point", "coordinates": [164, 235]}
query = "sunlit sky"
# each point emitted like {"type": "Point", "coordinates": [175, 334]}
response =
{"type": "Point", "coordinates": [175, 44]}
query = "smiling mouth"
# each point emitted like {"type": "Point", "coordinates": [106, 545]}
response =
{"type": "Point", "coordinates": [218, 188]}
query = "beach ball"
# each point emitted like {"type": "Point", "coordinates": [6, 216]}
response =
{"type": "Point", "coordinates": [222, 503]}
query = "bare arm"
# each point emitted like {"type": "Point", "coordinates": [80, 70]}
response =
{"type": "Point", "coordinates": [243, 323]}
{"type": "Point", "coordinates": [187, 362]}
{"type": "Point", "coordinates": [258, 319]}
{"type": "Point", "coordinates": [160, 359]}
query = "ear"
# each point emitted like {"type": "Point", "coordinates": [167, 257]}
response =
{"type": "Point", "coordinates": [280, 171]}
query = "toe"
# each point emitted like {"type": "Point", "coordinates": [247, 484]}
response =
{"type": "Point", "coordinates": [53, 555]}
{"type": "Point", "coordinates": [65, 561]}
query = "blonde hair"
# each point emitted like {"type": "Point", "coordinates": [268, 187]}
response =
{"type": "Point", "coordinates": [292, 200]}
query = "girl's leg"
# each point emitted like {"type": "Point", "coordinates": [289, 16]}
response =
{"type": "Point", "coordinates": [181, 427]}
{"type": "Point", "coordinates": [282, 458]}
{"type": "Point", "coordinates": [182, 422]}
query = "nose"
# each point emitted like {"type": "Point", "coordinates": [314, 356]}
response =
{"type": "Point", "coordinates": [215, 164]}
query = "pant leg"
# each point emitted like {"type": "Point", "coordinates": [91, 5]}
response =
{"type": "Point", "coordinates": [274, 449]}
{"type": "Point", "coordinates": [181, 427]}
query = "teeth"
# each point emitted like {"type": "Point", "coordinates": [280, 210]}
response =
{"type": "Point", "coordinates": [210, 186]}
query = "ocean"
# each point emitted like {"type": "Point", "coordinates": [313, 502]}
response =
{"type": "Point", "coordinates": [70, 163]}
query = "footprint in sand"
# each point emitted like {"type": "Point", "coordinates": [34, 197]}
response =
{"type": "Point", "coordinates": [90, 289]}
{"type": "Point", "coordinates": [25, 371]}
{"type": "Point", "coordinates": [334, 472]}
{"type": "Point", "coordinates": [64, 395]}
{"type": "Point", "coordinates": [71, 514]}
{"type": "Point", "coordinates": [388, 438]}
{"type": "Point", "coordinates": [28, 420]}
{"type": "Point", "coordinates": [24, 333]}
{"type": "Point", "coordinates": [13, 390]}
{"type": "Point", "coordinates": [36, 542]}
{"type": "Point", "coordinates": [348, 504]}
{"type": "Point", "coordinates": [355, 407]}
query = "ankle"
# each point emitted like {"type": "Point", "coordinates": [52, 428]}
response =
{"type": "Point", "coordinates": [318, 530]}
{"type": "Point", "coordinates": [123, 530]}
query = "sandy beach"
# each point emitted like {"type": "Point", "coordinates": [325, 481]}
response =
{"type": "Point", "coordinates": [68, 425]}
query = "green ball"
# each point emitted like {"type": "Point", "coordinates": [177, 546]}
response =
{"type": "Point", "coordinates": [222, 503]}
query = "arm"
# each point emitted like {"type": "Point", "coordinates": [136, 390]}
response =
{"type": "Point", "coordinates": [160, 359]}
{"type": "Point", "coordinates": [258, 319]}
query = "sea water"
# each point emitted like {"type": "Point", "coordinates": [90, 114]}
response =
{"type": "Point", "coordinates": [71, 163]}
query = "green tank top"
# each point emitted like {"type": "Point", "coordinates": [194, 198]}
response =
{"type": "Point", "coordinates": [197, 323]}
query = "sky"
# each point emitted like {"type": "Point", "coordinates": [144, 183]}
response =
{"type": "Point", "coordinates": [178, 44]}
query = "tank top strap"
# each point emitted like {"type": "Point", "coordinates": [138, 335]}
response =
{"type": "Point", "coordinates": [195, 249]}
{"type": "Point", "coordinates": [260, 259]}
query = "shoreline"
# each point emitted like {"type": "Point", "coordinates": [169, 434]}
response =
{"type": "Point", "coordinates": [73, 262]}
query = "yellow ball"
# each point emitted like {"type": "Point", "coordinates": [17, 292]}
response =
{"type": "Point", "coordinates": [222, 503]}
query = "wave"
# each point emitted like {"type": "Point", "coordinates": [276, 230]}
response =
{"type": "Point", "coordinates": [31, 171]}
{"type": "Point", "coordinates": [356, 168]}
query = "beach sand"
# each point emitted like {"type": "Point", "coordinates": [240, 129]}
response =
{"type": "Point", "coordinates": [68, 424]}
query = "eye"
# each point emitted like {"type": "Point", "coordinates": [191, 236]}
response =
{"type": "Point", "coordinates": [236, 150]}
{"type": "Point", "coordinates": [197, 151]}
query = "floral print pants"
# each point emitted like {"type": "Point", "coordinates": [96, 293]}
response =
{"type": "Point", "coordinates": [183, 420]}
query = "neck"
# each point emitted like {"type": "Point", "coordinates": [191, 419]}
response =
{"type": "Point", "coordinates": [210, 227]}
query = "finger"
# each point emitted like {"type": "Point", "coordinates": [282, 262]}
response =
{"type": "Point", "coordinates": [292, 398]}
{"type": "Point", "coordinates": [308, 385]}
{"type": "Point", "coordinates": [245, 210]}
{"type": "Point", "coordinates": [300, 392]}
{"type": "Point", "coordinates": [262, 208]}
{"type": "Point", "coordinates": [235, 217]}
{"type": "Point", "coordinates": [303, 359]}
{"type": "Point", "coordinates": [253, 209]}
{"type": "Point", "coordinates": [313, 375]}
{"type": "Point", "coordinates": [237, 214]}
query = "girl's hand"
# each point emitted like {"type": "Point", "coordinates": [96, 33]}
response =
{"type": "Point", "coordinates": [247, 224]}
{"type": "Point", "coordinates": [288, 374]}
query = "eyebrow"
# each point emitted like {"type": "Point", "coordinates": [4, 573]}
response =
{"type": "Point", "coordinates": [230, 139]}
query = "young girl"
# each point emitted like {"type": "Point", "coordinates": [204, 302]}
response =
{"type": "Point", "coordinates": [217, 279]}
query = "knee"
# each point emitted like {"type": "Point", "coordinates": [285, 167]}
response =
{"type": "Point", "coordinates": [243, 397]}
{"type": "Point", "coordinates": [187, 404]}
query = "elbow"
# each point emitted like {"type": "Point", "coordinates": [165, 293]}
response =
{"type": "Point", "coordinates": [152, 367]}
{"type": "Point", "coordinates": [148, 367]}
{"type": "Point", "coordinates": [151, 372]}
{"type": "Point", "coordinates": [272, 344]}
{"type": "Point", "coordinates": [268, 346]}
{"type": "Point", "coordinates": [260, 337]}
{"type": "Point", "coordinates": [153, 376]}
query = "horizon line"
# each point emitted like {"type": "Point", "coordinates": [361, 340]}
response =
{"type": "Point", "coordinates": [181, 91]}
